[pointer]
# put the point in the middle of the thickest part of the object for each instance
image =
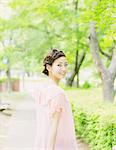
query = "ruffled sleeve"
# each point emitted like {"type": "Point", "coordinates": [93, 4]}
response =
{"type": "Point", "coordinates": [35, 93]}
{"type": "Point", "coordinates": [50, 96]}
{"type": "Point", "coordinates": [57, 104]}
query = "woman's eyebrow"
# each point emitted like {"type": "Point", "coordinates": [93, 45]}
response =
{"type": "Point", "coordinates": [63, 62]}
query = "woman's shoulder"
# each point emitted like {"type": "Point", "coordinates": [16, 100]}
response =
{"type": "Point", "coordinates": [55, 91]}
{"type": "Point", "coordinates": [50, 88]}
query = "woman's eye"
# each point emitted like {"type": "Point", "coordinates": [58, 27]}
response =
{"type": "Point", "coordinates": [60, 65]}
{"type": "Point", "coordinates": [66, 65]}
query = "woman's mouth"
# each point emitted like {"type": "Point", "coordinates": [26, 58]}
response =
{"type": "Point", "coordinates": [62, 73]}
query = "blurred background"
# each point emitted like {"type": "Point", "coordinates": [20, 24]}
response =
{"type": "Point", "coordinates": [85, 31]}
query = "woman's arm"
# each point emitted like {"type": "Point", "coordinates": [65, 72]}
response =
{"type": "Point", "coordinates": [53, 130]}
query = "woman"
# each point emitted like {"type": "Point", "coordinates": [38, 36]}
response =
{"type": "Point", "coordinates": [55, 125]}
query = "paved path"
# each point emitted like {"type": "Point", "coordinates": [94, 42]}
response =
{"type": "Point", "coordinates": [21, 133]}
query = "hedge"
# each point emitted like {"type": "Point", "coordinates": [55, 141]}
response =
{"type": "Point", "coordinates": [3, 80]}
{"type": "Point", "coordinates": [99, 131]}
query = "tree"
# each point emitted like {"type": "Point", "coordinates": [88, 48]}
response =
{"type": "Point", "coordinates": [103, 23]}
{"type": "Point", "coordinates": [78, 58]}
{"type": "Point", "coordinates": [58, 23]}
{"type": "Point", "coordinates": [108, 75]}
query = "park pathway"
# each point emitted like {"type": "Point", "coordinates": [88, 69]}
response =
{"type": "Point", "coordinates": [21, 133]}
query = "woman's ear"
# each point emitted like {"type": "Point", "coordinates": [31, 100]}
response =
{"type": "Point", "coordinates": [48, 67]}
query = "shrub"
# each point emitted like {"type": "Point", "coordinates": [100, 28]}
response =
{"type": "Point", "coordinates": [2, 80]}
{"type": "Point", "coordinates": [86, 85]}
{"type": "Point", "coordinates": [99, 131]}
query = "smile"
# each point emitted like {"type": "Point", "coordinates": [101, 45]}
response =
{"type": "Point", "coordinates": [62, 73]}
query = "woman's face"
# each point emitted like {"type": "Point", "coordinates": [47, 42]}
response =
{"type": "Point", "coordinates": [59, 68]}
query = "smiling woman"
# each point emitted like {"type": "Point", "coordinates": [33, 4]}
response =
{"type": "Point", "coordinates": [55, 64]}
{"type": "Point", "coordinates": [55, 125]}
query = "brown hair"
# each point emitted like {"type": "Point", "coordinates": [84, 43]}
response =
{"type": "Point", "coordinates": [50, 58]}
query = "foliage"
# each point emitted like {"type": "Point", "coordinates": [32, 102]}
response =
{"type": "Point", "coordinates": [99, 131]}
{"type": "Point", "coordinates": [86, 85]}
{"type": "Point", "coordinates": [4, 79]}
{"type": "Point", "coordinates": [94, 119]}
{"type": "Point", "coordinates": [37, 26]}
{"type": "Point", "coordinates": [53, 23]}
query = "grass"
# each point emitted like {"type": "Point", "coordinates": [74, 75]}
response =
{"type": "Point", "coordinates": [91, 101]}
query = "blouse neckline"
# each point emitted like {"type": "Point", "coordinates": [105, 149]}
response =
{"type": "Point", "coordinates": [51, 81]}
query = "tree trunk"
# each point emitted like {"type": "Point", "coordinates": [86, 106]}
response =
{"type": "Point", "coordinates": [107, 74]}
{"type": "Point", "coordinates": [77, 80]}
{"type": "Point", "coordinates": [82, 57]}
{"type": "Point", "coordinates": [78, 63]}
{"type": "Point", "coordinates": [108, 89]}
{"type": "Point", "coordinates": [9, 84]}
{"type": "Point", "coordinates": [71, 79]}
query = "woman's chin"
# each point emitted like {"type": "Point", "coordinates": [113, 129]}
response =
{"type": "Point", "coordinates": [61, 76]}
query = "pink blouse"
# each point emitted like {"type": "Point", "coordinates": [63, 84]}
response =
{"type": "Point", "coordinates": [50, 98]}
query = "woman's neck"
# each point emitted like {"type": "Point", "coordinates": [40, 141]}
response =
{"type": "Point", "coordinates": [56, 81]}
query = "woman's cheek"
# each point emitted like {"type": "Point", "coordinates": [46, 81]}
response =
{"type": "Point", "coordinates": [56, 70]}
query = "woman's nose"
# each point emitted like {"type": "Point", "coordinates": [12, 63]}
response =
{"type": "Point", "coordinates": [64, 69]}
